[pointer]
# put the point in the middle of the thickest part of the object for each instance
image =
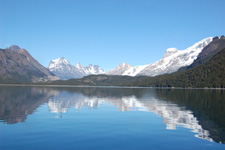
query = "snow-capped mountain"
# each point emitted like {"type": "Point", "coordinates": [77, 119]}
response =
{"type": "Point", "coordinates": [119, 70]}
{"type": "Point", "coordinates": [173, 60]}
{"type": "Point", "coordinates": [90, 69]}
{"type": "Point", "coordinates": [64, 70]}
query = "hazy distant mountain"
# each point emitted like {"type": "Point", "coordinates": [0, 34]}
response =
{"type": "Point", "coordinates": [171, 62]}
{"type": "Point", "coordinates": [18, 66]}
{"type": "Point", "coordinates": [119, 70]}
{"type": "Point", "coordinates": [64, 70]}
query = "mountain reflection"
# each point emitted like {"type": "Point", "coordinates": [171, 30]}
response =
{"type": "Point", "coordinates": [18, 102]}
{"type": "Point", "coordinates": [124, 100]}
{"type": "Point", "coordinates": [201, 111]}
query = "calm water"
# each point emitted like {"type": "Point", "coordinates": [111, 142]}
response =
{"type": "Point", "coordinates": [36, 118]}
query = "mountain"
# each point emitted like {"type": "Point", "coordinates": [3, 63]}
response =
{"type": "Point", "coordinates": [210, 75]}
{"type": "Point", "coordinates": [119, 70]}
{"type": "Point", "coordinates": [173, 60]}
{"type": "Point", "coordinates": [18, 66]}
{"type": "Point", "coordinates": [64, 70]}
{"type": "Point", "coordinates": [90, 69]}
{"type": "Point", "coordinates": [207, 53]}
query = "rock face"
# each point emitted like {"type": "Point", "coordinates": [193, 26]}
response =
{"type": "Point", "coordinates": [18, 66]}
{"type": "Point", "coordinates": [64, 70]}
{"type": "Point", "coordinates": [214, 47]}
{"type": "Point", "coordinates": [172, 61]}
{"type": "Point", "coordinates": [207, 53]}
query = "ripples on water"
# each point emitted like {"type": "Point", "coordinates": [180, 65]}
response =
{"type": "Point", "coordinates": [99, 113]}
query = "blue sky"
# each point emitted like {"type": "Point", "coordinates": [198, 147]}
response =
{"type": "Point", "coordinates": [107, 32]}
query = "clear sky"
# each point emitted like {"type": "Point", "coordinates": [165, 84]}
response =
{"type": "Point", "coordinates": [108, 32]}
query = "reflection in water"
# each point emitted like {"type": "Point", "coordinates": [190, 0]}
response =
{"type": "Point", "coordinates": [202, 111]}
{"type": "Point", "coordinates": [65, 100]}
{"type": "Point", "coordinates": [16, 102]}
{"type": "Point", "coordinates": [172, 114]}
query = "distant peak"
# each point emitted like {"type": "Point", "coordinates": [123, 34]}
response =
{"type": "Point", "coordinates": [170, 51]}
{"type": "Point", "coordinates": [96, 65]}
{"type": "Point", "coordinates": [60, 60]}
{"type": "Point", "coordinates": [200, 45]}
{"type": "Point", "coordinates": [79, 65]}
{"type": "Point", "coordinates": [222, 37]}
{"type": "Point", "coordinates": [125, 64]}
{"type": "Point", "coordinates": [14, 48]}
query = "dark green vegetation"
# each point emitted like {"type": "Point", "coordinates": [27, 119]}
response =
{"type": "Point", "coordinates": [101, 80]}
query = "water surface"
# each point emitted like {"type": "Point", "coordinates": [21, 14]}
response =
{"type": "Point", "coordinates": [34, 118]}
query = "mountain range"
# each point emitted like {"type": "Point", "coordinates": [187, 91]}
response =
{"type": "Point", "coordinates": [206, 71]}
{"type": "Point", "coordinates": [181, 68]}
{"type": "Point", "coordinates": [64, 70]}
{"type": "Point", "coordinates": [173, 60]}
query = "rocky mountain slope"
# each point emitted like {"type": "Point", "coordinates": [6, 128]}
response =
{"type": "Point", "coordinates": [18, 66]}
{"type": "Point", "coordinates": [207, 53]}
{"type": "Point", "coordinates": [173, 60]}
{"type": "Point", "coordinates": [64, 70]}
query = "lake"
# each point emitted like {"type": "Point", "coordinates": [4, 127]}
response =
{"type": "Point", "coordinates": [103, 118]}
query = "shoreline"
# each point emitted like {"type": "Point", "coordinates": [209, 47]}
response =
{"type": "Point", "coordinates": [77, 86]}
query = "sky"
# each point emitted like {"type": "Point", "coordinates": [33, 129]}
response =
{"type": "Point", "coordinates": [108, 32]}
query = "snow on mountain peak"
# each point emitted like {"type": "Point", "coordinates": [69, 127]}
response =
{"type": "Point", "coordinates": [201, 44]}
{"type": "Point", "coordinates": [119, 70]}
{"type": "Point", "coordinates": [124, 64]}
{"type": "Point", "coordinates": [173, 60]}
{"type": "Point", "coordinates": [58, 62]}
{"type": "Point", "coordinates": [170, 51]}
{"type": "Point", "coordinates": [79, 66]}
{"type": "Point", "coordinates": [90, 69]}
{"type": "Point", "coordinates": [173, 50]}
{"type": "Point", "coordinates": [63, 69]}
